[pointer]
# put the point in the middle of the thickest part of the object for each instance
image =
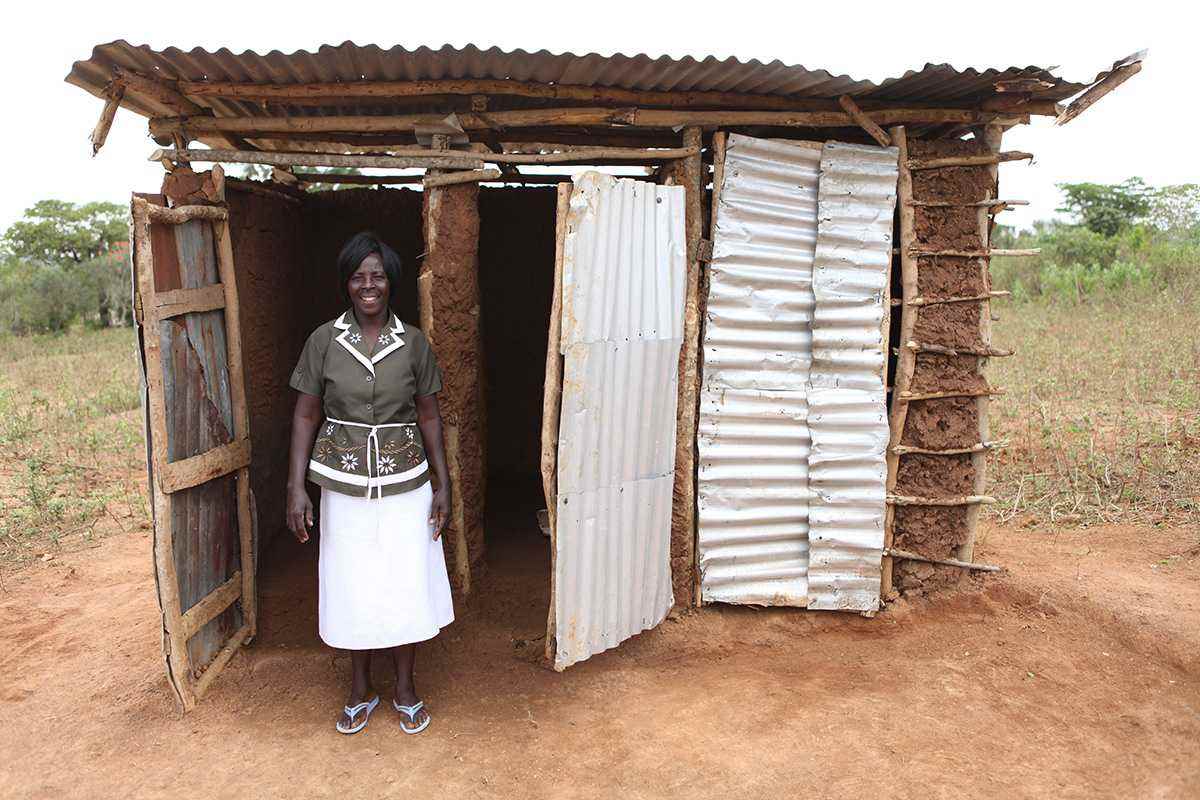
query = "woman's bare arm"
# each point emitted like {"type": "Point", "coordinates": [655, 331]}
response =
{"type": "Point", "coordinates": [429, 420]}
{"type": "Point", "coordinates": [305, 419]}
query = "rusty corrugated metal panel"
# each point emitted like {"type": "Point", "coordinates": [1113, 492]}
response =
{"type": "Point", "coordinates": [349, 62]}
{"type": "Point", "coordinates": [847, 411]}
{"type": "Point", "coordinates": [622, 326]}
{"type": "Point", "coordinates": [753, 436]}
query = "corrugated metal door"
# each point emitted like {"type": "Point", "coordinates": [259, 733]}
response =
{"type": "Point", "coordinates": [793, 421]}
{"type": "Point", "coordinates": [198, 439]}
{"type": "Point", "coordinates": [622, 289]}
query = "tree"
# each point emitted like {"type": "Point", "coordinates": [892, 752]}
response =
{"type": "Point", "coordinates": [1108, 209]}
{"type": "Point", "coordinates": [68, 236]}
{"type": "Point", "coordinates": [1175, 210]}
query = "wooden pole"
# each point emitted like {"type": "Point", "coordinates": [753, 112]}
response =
{"type": "Point", "coordinates": [115, 92]}
{"type": "Point", "coordinates": [264, 127]}
{"type": "Point", "coordinates": [992, 136]}
{"type": "Point", "coordinates": [551, 402]}
{"type": "Point", "coordinates": [340, 93]}
{"type": "Point", "coordinates": [453, 178]}
{"type": "Point", "coordinates": [275, 159]}
{"type": "Point", "coordinates": [968, 161]}
{"type": "Point", "coordinates": [864, 122]}
{"type": "Point", "coordinates": [162, 94]}
{"type": "Point", "coordinates": [1098, 90]}
{"type": "Point", "coordinates": [893, 552]}
{"type": "Point", "coordinates": [906, 362]}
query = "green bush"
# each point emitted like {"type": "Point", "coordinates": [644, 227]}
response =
{"type": "Point", "coordinates": [43, 298]}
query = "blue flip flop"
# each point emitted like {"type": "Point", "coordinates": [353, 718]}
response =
{"type": "Point", "coordinates": [411, 711]}
{"type": "Point", "coordinates": [352, 711]}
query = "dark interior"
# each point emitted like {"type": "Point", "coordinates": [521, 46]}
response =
{"type": "Point", "coordinates": [516, 282]}
{"type": "Point", "coordinates": [286, 252]}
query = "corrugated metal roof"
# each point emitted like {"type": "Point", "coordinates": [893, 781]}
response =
{"type": "Point", "coordinates": [349, 62]}
{"type": "Point", "coordinates": [622, 327]}
{"type": "Point", "coordinates": [847, 412]}
{"type": "Point", "coordinates": [753, 439]}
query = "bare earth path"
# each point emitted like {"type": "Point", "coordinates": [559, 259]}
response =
{"type": "Point", "coordinates": [1075, 674]}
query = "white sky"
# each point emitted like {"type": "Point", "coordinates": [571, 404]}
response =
{"type": "Point", "coordinates": [1144, 128]}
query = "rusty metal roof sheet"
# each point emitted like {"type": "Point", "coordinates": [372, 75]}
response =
{"type": "Point", "coordinates": [347, 62]}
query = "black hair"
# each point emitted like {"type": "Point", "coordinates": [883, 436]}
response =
{"type": "Point", "coordinates": [358, 248]}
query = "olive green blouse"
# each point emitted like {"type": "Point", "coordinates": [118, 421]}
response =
{"type": "Point", "coordinates": [369, 444]}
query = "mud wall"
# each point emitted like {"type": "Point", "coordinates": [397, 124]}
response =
{"type": "Point", "coordinates": [273, 276]}
{"type": "Point", "coordinates": [949, 422]}
{"type": "Point", "coordinates": [448, 287]}
{"type": "Point", "coordinates": [516, 278]}
{"type": "Point", "coordinates": [331, 218]}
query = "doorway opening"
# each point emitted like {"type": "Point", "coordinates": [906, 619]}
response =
{"type": "Point", "coordinates": [516, 285]}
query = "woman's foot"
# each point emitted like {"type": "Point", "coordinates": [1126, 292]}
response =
{"type": "Point", "coordinates": [363, 703]}
{"type": "Point", "coordinates": [419, 719]}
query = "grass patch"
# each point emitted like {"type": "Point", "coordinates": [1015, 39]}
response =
{"type": "Point", "coordinates": [71, 457]}
{"type": "Point", "coordinates": [1101, 411]}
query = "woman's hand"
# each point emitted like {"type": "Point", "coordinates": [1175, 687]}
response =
{"type": "Point", "coordinates": [299, 513]}
{"type": "Point", "coordinates": [439, 510]}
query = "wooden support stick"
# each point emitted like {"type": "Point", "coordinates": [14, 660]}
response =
{"type": "Point", "coordinates": [277, 159]}
{"type": "Point", "coordinates": [551, 402]}
{"type": "Point", "coordinates": [904, 449]}
{"type": "Point", "coordinates": [339, 93]}
{"type": "Point", "coordinates": [453, 178]}
{"type": "Point", "coordinates": [200, 687]}
{"type": "Point", "coordinates": [115, 92]}
{"type": "Point", "coordinates": [164, 95]}
{"type": "Point", "coordinates": [1098, 90]}
{"type": "Point", "coordinates": [182, 214]}
{"type": "Point", "coordinates": [986, 352]}
{"type": "Point", "coordinates": [960, 500]}
{"type": "Point", "coordinates": [905, 555]}
{"type": "Point", "coordinates": [864, 122]}
{"type": "Point", "coordinates": [988, 253]}
{"type": "Point", "coordinates": [968, 161]}
{"type": "Point", "coordinates": [911, 396]}
{"type": "Point", "coordinates": [933, 301]}
{"type": "Point", "coordinates": [212, 604]}
{"type": "Point", "coordinates": [313, 178]}
{"type": "Point", "coordinates": [906, 361]}
{"type": "Point", "coordinates": [189, 301]}
{"type": "Point", "coordinates": [195, 470]}
{"type": "Point", "coordinates": [970, 204]}
{"type": "Point", "coordinates": [264, 127]}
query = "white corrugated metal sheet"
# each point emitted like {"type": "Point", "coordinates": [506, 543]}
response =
{"type": "Point", "coordinates": [622, 326]}
{"type": "Point", "coordinates": [847, 413]}
{"type": "Point", "coordinates": [753, 437]}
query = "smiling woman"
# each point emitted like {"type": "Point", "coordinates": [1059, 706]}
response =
{"type": "Point", "coordinates": [368, 395]}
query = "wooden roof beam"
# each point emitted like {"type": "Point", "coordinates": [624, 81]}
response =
{"type": "Point", "coordinates": [264, 127]}
{"type": "Point", "coordinates": [1097, 90]}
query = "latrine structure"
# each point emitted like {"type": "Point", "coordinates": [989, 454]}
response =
{"type": "Point", "coordinates": [749, 371]}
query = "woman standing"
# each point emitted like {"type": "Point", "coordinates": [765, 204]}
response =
{"type": "Point", "coordinates": [368, 393]}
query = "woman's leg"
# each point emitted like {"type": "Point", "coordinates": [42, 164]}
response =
{"type": "Point", "coordinates": [404, 657]}
{"type": "Point", "coordinates": [360, 685]}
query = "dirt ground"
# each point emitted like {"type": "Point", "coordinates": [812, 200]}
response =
{"type": "Point", "coordinates": [1074, 674]}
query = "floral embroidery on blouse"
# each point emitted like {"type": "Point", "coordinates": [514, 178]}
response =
{"type": "Point", "coordinates": [387, 465]}
{"type": "Point", "coordinates": [349, 461]}
{"type": "Point", "coordinates": [329, 429]}
{"type": "Point", "coordinates": [355, 338]}
{"type": "Point", "coordinates": [385, 338]}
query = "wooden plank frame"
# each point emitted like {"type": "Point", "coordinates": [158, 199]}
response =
{"type": "Point", "coordinates": [168, 477]}
{"type": "Point", "coordinates": [551, 403]}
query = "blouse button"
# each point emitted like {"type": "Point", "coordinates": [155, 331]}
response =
{"type": "Point", "coordinates": [369, 379]}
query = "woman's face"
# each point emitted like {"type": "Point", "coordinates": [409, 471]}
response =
{"type": "Point", "coordinates": [368, 287]}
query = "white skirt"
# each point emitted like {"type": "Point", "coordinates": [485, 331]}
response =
{"type": "Point", "coordinates": [383, 578]}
